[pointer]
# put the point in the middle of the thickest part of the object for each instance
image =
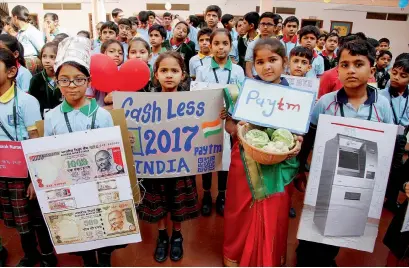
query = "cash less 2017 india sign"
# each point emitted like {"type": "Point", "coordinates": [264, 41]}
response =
{"type": "Point", "coordinates": [174, 134]}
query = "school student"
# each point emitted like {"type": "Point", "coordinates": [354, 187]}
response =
{"type": "Point", "coordinates": [228, 23]}
{"type": "Point", "coordinates": [321, 42]}
{"type": "Point", "coordinates": [167, 23]}
{"type": "Point", "coordinates": [29, 36]}
{"type": "Point", "coordinates": [290, 38]}
{"type": "Point", "coordinates": [144, 25]}
{"type": "Point", "coordinates": [328, 53]}
{"type": "Point", "coordinates": [109, 31]}
{"type": "Point", "coordinates": [255, 230]}
{"type": "Point", "coordinates": [355, 100]}
{"type": "Point", "coordinates": [308, 36]}
{"type": "Point", "coordinates": [213, 15]}
{"type": "Point", "coordinates": [176, 196]}
{"type": "Point", "coordinates": [300, 61]}
{"type": "Point", "coordinates": [384, 44]}
{"type": "Point", "coordinates": [117, 15]}
{"type": "Point", "coordinates": [239, 47]}
{"type": "Point", "coordinates": [77, 112]}
{"type": "Point", "coordinates": [221, 70]}
{"type": "Point", "coordinates": [180, 43]}
{"type": "Point", "coordinates": [267, 26]}
{"type": "Point", "coordinates": [19, 209]}
{"type": "Point", "coordinates": [124, 26]}
{"type": "Point", "coordinates": [51, 27]}
{"type": "Point", "coordinates": [139, 49]}
{"type": "Point", "coordinates": [383, 59]}
{"type": "Point", "coordinates": [193, 22]}
{"type": "Point", "coordinates": [43, 86]}
{"type": "Point", "coordinates": [151, 18]}
{"type": "Point", "coordinates": [113, 49]}
{"type": "Point", "coordinates": [204, 56]}
{"type": "Point", "coordinates": [157, 35]}
{"type": "Point", "coordinates": [397, 95]}
{"type": "Point", "coordinates": [23, 76]}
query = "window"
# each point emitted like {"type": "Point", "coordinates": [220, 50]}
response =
{"type": "Point", "coordinates": [183, 7]}
{"type": "Point", "coordinates": [61, 6]}
{"type": "Point", "coordinates": [376, 16]}
{"type": "Point", "coordinates": [284, 10]}
{"type": "Point", "coordinates": [386, 16]}
{"type": "Point", "coordinates": [397, 17]}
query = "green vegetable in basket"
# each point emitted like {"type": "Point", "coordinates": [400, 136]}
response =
{"type": "Point", "coordinates": [285, 136]}
{"type": "Point", "coordinates": [257, 138]}
{"type": "Point", "coordinates": [269, 131]}
{"type": "Point", "coordinates": [276, 147]}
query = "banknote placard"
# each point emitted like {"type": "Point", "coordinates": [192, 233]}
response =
{"type": "Point", "coordinates": [92, 223]}
{"type": "Point", "coordinates": [83, 188]}
{"type": "Point", "coordinates": [81, 164]}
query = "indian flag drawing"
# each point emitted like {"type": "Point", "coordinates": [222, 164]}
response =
{"type": "Point", "coordinates": [212, 128]}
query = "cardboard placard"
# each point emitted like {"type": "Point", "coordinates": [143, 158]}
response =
{"type": "Point", "coordinates": [271, 105]}
{"type": "Point", "coordinates": [118, 117]}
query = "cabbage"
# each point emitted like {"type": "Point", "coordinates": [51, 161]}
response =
{"type": "Point", "coordinates": [276, 147]}
{"type": "Point", "coordinates": [269, 131]}
{"type": "Point", "coordinates": [257, 138]}
{"type": "Point", "coordinates": [284, 136]}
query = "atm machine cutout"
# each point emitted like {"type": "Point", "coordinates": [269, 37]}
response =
{"type": "Point", "coordinates": [346, 186]}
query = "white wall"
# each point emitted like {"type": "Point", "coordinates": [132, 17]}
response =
{"type": "Point", "coordinates": [396, 31]}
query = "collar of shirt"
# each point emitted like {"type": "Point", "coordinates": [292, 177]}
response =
{"type": "Point", "coordinates": [283, 81]}
{"type": "Point", "coordinates": [87, 110]}
{"type": "Point", "coordinates": [342, 96]}
{"type": "Point", "coordinates": [172, 42]}
{"type": "Point", "coordinates": [169, 28]}
{"type": "Point", "coordinates": [395, 94]}
{"type": "Point", "coordinates": [8, 95]}
{"type": "Point", "coordinates": [247, 40]}
{"type": "Point", "coordinates": [325, 54]}
{"type": "Point", "coordinates": [314, 54]}
{"type": "Point", "coordinates": [24, 28]}
{"type": "Point", "coordinates": [201, 56]}
{"type": "Point", "coordinates": [227, 66]}
{"type": "Point", "coordinates": [292, 40]}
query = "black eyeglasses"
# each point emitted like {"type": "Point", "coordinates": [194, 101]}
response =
{"type": "Point", "coordinates": [77, 82]}
{"type": "Point", "coordinates": [264, 24]}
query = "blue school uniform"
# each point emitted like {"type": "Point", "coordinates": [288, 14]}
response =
{"type": "Point", "coordinates": [27, 113]}
{"type": "Point", "coordinates": [399, 105]}
{"type": "Point", "coordinates": [197, 61]}
{"type": "Point", "coordinates": [288, 46]}
{"type": "Point", "coordinates": [249, 54]}
{"type": "Point", "coordinates": [144, 34]}
{"type": "Point", "coordinates": [234, 52]}
{"type": "Point", "coordinates": [376, 107]}
{"type": "Point", "coordinates": [65, 119]}
{"type": "Point", "coordinates": [23, 78]}
{"type": "Point", "coordinates": [193, 36]}
{"type": "Point", "coordinates": [230, 74]}
{"type": "Point", "coordinates": [318, 66]}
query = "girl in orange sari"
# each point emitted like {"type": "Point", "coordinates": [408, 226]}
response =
{"type": "Point", "coordinates": [256, 214]}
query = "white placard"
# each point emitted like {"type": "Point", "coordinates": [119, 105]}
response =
{"type": "Point", "coordinates": [347, 182]}
{"type": "Point", "coordinates": [271, 105]}
{"type": "Point", "coordinates": [83, 188]}
{"type": "Point", "coordinates": [307, 83]}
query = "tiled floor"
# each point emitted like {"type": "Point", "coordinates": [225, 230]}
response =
{"type": "Point", "coordinates": [203, 244]}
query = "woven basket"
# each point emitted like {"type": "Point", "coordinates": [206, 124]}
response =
{"type": "Point", "coordinates": [258, 154]}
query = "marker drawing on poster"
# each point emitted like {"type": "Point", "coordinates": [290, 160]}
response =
{"type": "Point", "coordinates": [275, 106]}
{"type": "Point", "coordinates": [174, 134]}
{"type": "Point", "coordinates": [347, 182]}
{"type": "Point", "coordinates": [83, 188]}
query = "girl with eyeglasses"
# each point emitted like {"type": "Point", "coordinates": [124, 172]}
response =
{"type": "Point", "coordinates": [78, 113]}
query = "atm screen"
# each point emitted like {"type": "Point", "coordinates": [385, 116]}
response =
{"type": "Point", "coordinates": [349, 160]}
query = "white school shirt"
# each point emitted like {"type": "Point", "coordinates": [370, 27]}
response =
{"type": "Point", "coordinates": [214, 74]}
{"type": "Point", "coordinates": [32, 40]}
{"type": "Point", "coordinates": [23, 78]}
{"type": "Point", "coordinates": [27, 114]}
{"type": "Point", "coordinates": [399, 105]}
{"type": "Point", "coordinates": [197, 61]}
{"type": "Point", "coordinates": [79, 120]}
